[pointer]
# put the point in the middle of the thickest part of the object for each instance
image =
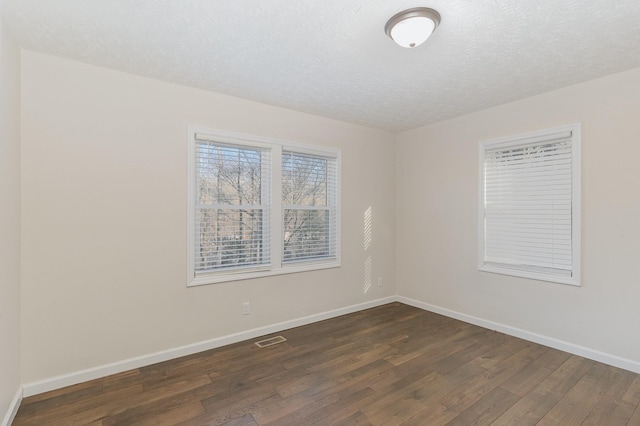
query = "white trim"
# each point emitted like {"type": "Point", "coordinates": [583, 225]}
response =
{"type": "Point", "coordinates": [338, 201]}
{"type": "Point", "coordinates": [595, 355]}
{"type": "Point", "coordinates": [13, 408]}
{"type": "Point", "coordinates": [276, 207]}
{"type": "Point", "coordinates": [514, 272]}
{"type": "Point", "coordinates": [246, 138]}
{"type": "Point", "coordinates": [191, 196]}
{"type": "Point", "coordinates": [232, 142]}
{"type": "Point", "coordinates": [61, 381]}
{"type": "Point", "coordinates": [223, 277]}
{"type": "Point", "coordinates": [576, 200]}
{"type": "Point", "coordinates": [528, 138]}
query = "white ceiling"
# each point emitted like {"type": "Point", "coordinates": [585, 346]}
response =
{"type": "Point", "coordinates": [332, 57]}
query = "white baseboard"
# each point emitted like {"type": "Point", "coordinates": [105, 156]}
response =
{"type": "Point", "coordinates": [142, 361]}
{"type": "Point", "coordinates": [605, 358]}
{"type": "Point", "coordinates": [13, 409]}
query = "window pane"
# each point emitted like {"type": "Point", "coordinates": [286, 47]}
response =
{"type": "Point", "coordinates": [228, 175]}
{"type": "Point", "coordinates": [230, 238]}
{"type": "Point", "coordinates": [231, 207]}
{"type": "Point", "coordinates": [528, 206]}
{"type": "Point", "coordinates": [309, 188]}
{"type": "Point", "coordinates": [304, 180]}
{"type": "Point", "coordinates": [306, 234]}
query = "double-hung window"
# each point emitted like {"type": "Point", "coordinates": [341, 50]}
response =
{"type": "Point", "coordinates": [260, 207]}
{"type": "Point", "coordinates": [232, 206]}
{"type": "Point", "coordinates": [309, 207]}
{"type": "Point", "coordinates": [529, 222]}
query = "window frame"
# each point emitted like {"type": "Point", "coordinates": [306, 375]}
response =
{"type": "Point", "coordinates": [574, 278]}
{"type": "Point", "coordinates": [264, 151]}
{"type": "Point", "coordinates": [275, 210]}
{"type": "Point", "coordinates": [331, 207]}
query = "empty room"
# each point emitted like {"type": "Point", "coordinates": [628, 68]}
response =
{"type": "Point", "coordinates": [319, 212]}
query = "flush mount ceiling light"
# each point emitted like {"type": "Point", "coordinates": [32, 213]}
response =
{"type": "Point", "coordinates": [412, 27]}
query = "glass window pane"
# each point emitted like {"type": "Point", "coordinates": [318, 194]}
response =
{"type": "Point", "coordinates": [306, 234]}
{"type": "Point", "coordinates": [228, 175]}
{"type": "Point", "coordinates": [304, 180]}
{"type": "Point", "coordinates": [229, 237]}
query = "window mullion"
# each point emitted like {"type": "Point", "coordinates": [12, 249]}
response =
{"type": "Point", "coordinates": [276, 206]}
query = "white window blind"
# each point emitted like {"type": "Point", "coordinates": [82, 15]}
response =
{"type": "Point", "coordinates": [530, 206]}
{"type": "Point", "coordinates": [309, 207]}
{"type": "Point", "coordinates": [231, 207]}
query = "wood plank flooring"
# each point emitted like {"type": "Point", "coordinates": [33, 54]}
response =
{"type": "Point", "coordinates": [391, 365]}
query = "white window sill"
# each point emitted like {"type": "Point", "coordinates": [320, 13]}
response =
{"type": "Point", "coordinates": [222, 277]}
{"type": "Point", "coordinates": [569, 280]}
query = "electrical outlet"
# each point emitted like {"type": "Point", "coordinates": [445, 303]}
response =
{"type": "Point", "coordinates": [379, 281]}
{"type": "Point", "coordinates": [246, 308]}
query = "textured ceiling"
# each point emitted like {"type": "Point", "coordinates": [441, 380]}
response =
{"type": "Point", "coordinates": [332, 57]}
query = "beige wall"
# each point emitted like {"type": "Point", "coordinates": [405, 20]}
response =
{"type": "Point", "coordinates": [104, 218]}
{"type": "Point", "coordinates": [437, 197]}
{"type": "Point", "coordinates": [9, 219]}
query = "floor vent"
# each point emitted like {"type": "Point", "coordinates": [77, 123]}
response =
{"type": "Point", "coordinates": [270, 341]}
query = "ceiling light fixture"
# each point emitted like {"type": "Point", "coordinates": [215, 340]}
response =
{"type": "Point", "coordinates": [412, 27]}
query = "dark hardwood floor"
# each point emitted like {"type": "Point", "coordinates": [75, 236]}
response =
{"type": "Point", "coordinates": [389, 365]}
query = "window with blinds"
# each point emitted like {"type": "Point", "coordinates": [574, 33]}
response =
{"type": "Point", "coordinates": [259, 207]}
{"type": "Point", "coordinates": [232, 206]}
{"type": "Point", "coordinates": [309, 204]}
{"type": "Point", "coordinates": [530, 205]}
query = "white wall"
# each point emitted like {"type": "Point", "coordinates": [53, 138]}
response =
{"type": "Point", "coordinates": [437, 198]}
{"type": "Point", "coordinates": [104, 218]}
{"type": "Point", "coordinates": [9, 220]}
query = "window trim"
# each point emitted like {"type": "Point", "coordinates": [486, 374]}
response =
{"type": "Point", "coordinates": [575, 278]}
{"type": "Point", "coordinates": [277, 266]}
